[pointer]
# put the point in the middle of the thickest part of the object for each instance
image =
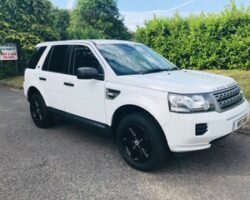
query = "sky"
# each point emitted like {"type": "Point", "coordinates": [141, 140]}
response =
{"type": "Point", "coordinates": [135, 12]}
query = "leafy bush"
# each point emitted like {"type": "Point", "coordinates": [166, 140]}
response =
{"type": "Point", "coordinates": [7, 70]}
{"type": "Point", "coordinates": [207, 41]}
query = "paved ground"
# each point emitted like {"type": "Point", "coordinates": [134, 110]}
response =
{"type": "Point", "coordinates": [69, 162]}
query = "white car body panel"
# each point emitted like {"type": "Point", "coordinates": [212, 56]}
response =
{"type": "Point", "coordinates": [86, 99]}
{"type": "Point", "coordinates": [153, 101]}
{"type": "Point", "coordinates": [181, 81]}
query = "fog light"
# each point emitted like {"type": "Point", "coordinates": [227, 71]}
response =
{"type": "Point", "coordinates": [200, 129]}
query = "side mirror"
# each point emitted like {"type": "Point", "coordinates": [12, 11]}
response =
{"type": "Point", "coordinates": [87, 73]}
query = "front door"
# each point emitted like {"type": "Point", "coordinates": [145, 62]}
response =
{"type": "Point", "coordinates": [85, 98]}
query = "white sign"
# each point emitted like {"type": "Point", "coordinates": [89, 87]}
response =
{"type": "Point", "coordinates": [8, 52]}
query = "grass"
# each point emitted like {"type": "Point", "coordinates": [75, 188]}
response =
{"type": "Point", "coordinates": [15, 82]}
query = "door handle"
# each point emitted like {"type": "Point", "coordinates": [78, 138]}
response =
{"type": "Point", "coordinates": [42, 79]}
{"type": "Point", "coordinates": [69, 84]}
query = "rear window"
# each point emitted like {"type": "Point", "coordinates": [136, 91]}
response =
{"type": "Point", "coordinates": [38, 52]}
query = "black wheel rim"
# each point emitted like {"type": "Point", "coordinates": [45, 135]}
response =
{"type": "Point", "coordinates": [36, 111]}
{"type": "Point", "coordinates": [136, 144]}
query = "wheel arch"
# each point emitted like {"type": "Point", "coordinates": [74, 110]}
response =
{"type": "Point", "coordinates": [124, 110]}
{"type": "Point", "coordinates": [33, 90]}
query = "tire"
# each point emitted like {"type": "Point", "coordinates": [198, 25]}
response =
{"type": "Point", "coordinates": [39, 112]}
{"type": "Point", "coordinates": [141, 142]}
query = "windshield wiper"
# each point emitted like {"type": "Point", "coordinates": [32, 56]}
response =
{"type": "Point", "coordinates": [158, 70]}
{"type": "Point", "coordinates": [174, 69]}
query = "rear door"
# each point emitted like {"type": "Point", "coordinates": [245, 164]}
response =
{"type": "Point", "coordinates": [54, 72]}
{"type": "Point", "coordinates": [31, 77]}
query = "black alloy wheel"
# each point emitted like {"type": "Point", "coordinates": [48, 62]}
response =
{"type": "Point", "coordinates": [141, 142]}
{"type": "Point", "coordinates": [136, 144]}
{"type": "Point", "coordinates": [39, 112]}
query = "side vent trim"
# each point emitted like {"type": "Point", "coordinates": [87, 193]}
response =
{"type": "Point", "coordinates": [111, 94]}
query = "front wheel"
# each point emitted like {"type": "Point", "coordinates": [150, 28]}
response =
{"type": "Point", "coordinates": [141, 142]}
{"type": "Point", "coordinates": [39, 112]}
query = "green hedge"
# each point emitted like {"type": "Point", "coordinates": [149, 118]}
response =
{"type": "Point", "coordinates": [7, 70]}
{"type": "Point", "coordinates": [207, 41]}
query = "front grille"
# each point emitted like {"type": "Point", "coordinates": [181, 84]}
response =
{"type": "Point", "coordinates": [229, 97]}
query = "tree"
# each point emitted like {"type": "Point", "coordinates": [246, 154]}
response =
{"type": "Point", "coordinates": [98, 18]}
{"type": "Point", "coordinates": [61, 22]}
{"type": "Point", "coordinates": [21, 13]}
{"type": "Point", "coordinates": [31, 17]}
{"type": "Point", "coordinates": [26, 22]}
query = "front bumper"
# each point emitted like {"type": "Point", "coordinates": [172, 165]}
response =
{"type": "Point", "coordinates": [180, 128]}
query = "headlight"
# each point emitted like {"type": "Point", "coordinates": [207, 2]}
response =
{"type": "Point", "coordinates": [188, 103]}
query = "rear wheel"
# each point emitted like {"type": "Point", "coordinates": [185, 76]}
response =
{"type": "Point", "coordinates": [39, 112]}
{"type": "Point", "coordinates": [141, 142]}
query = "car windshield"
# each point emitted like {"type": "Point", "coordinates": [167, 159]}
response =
{"type": "Point", "coordinates": [127, 59]}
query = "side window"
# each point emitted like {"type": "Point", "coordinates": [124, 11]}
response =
{"type": "Point", "coordinates": [47, 60]}
{"type": "Point", "coordinates": [58, 59]}
{"type": "Point", "coordinates": [82, 56]}
{"type": "Point", "coordinates": [38, 52]}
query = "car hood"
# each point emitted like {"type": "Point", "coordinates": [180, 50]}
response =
{"type": "Point", "coordinates": [180, 81]}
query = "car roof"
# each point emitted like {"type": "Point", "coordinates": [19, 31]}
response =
{"type": "Point", "coordinates": [96, 42]}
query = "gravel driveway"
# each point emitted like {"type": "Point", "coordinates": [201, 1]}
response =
{"type": "Point", "coordinates": [70, 162]}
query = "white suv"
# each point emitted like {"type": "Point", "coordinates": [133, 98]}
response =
{"type": "Point", "coordinates": [148, 104]}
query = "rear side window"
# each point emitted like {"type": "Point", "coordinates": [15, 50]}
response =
{"type": "Point", "coordinates": [38, 52]}
{"type": "Point", "coordinates": [58, 59]}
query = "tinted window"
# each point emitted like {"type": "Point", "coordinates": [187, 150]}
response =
{"type": "Point", "coordinates": [38, 52]}
{"type": "Point", "coordinates": [83, 57]}
{"type": "Point", "coordinates": [46, 62]}
{"type": "Point", "coordinates": [58, 59]}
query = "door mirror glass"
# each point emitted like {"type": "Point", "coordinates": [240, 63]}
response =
{"type": "Point", "coordinates": [87, 73]}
